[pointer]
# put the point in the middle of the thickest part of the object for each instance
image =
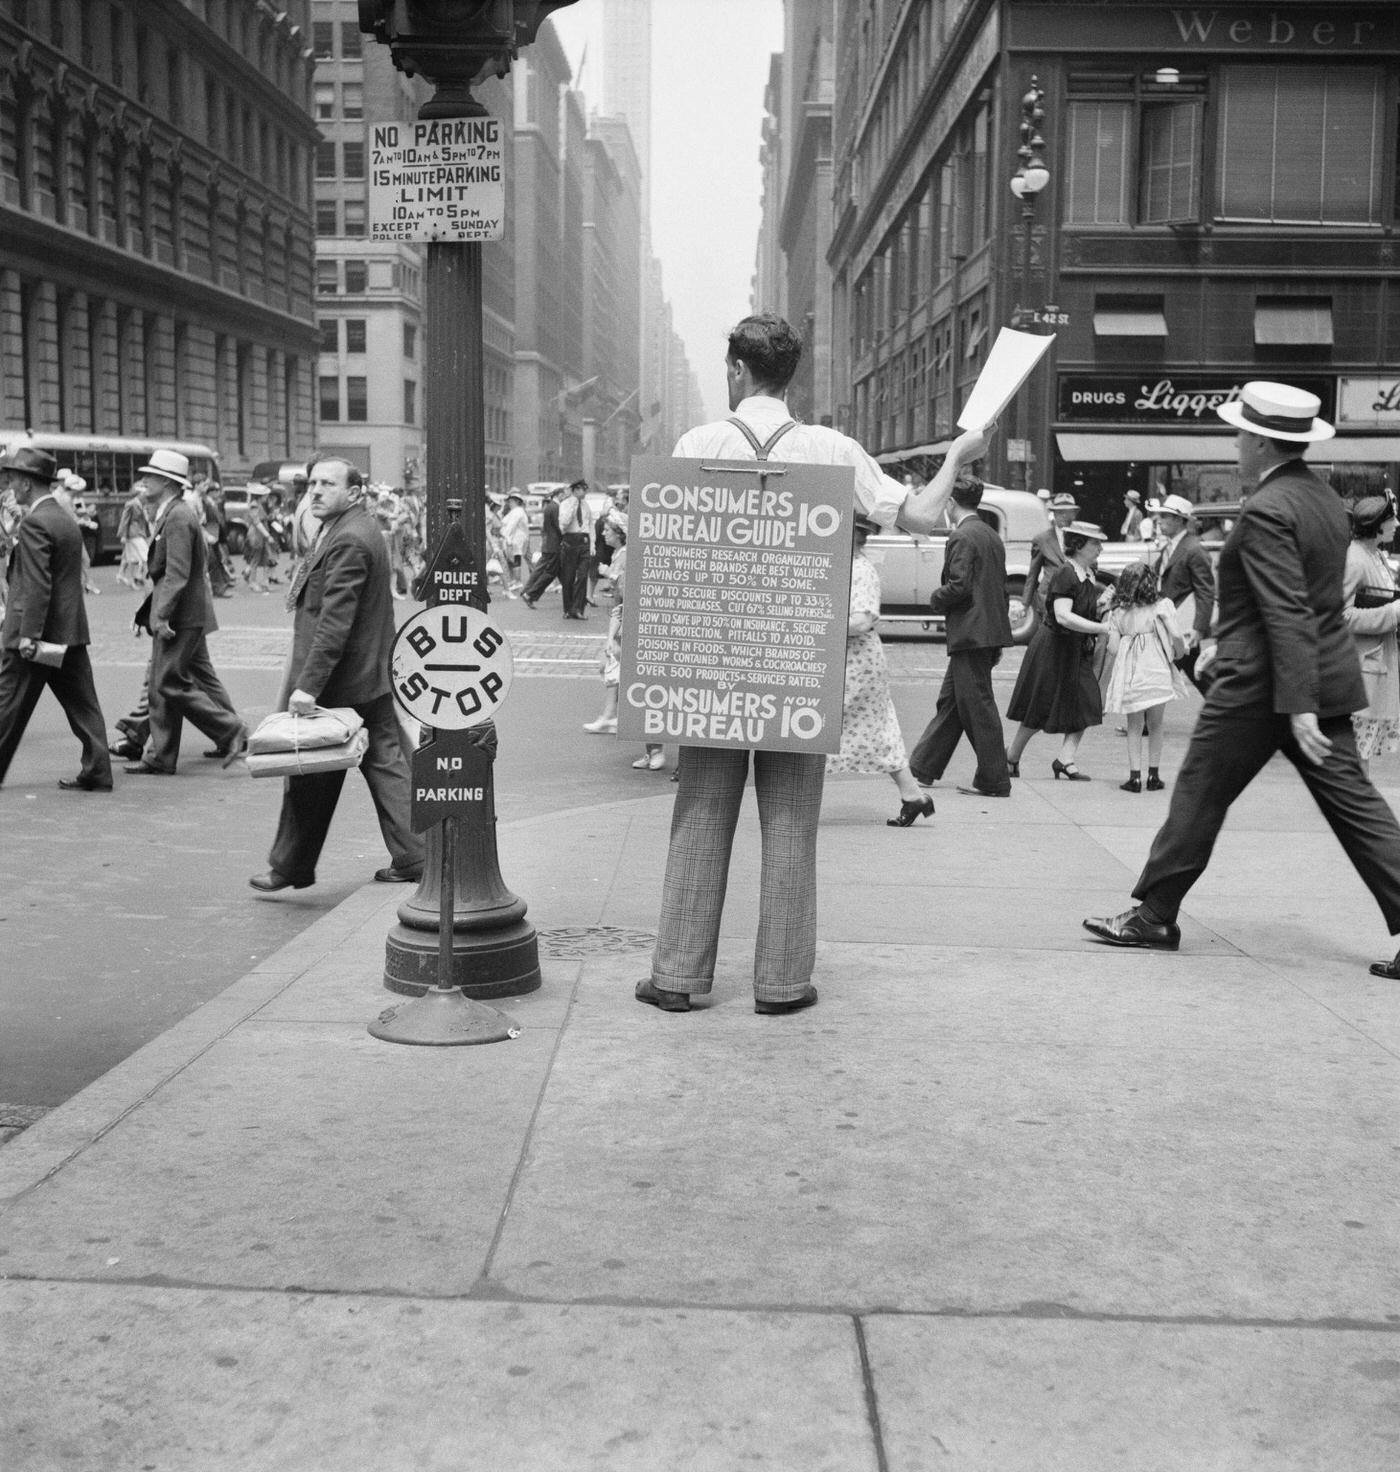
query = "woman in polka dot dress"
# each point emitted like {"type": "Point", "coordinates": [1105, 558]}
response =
{"type": "Point", "coordinates": [870, 735]}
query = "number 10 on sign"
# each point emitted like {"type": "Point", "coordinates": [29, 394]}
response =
{"type": "Point", "coordinates": [451, 667]}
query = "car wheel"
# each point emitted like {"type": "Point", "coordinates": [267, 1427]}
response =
{"type": "Point", "coordinates": [1021, 614]}
{"type": "Point", "coordinates": [234, 538]}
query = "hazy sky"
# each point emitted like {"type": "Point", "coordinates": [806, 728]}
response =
{"type": "Point", "coordinates": [710, 62]}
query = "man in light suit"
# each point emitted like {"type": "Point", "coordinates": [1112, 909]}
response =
{"type": "Point", "coordinates": [1184, 571]}
{"type": "Point", "coordinates": [342, 637]}
{"type": "Point", "coordinates": [972, 596]}
{"type": "Point", "coordinates": [763, 355]}
{"type": "Point", "coordinates": [1048, 549]}
{"type": "Point", "coordinates": [1284, 677]}
{"type": "Point", "coordinates": [179, 615]}
{"type": "Point", "coordinates": [45, 605]}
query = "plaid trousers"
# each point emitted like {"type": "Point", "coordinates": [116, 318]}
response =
{"type": "Point", "coordinates": [789, 790]}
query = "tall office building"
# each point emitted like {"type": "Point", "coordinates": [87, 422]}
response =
{"type": "Point", "coordinates": [155, 221]}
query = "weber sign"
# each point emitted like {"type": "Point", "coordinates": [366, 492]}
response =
{"type": "Point", "coordinates": [437, 180]}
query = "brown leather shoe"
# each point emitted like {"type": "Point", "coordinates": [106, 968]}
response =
{"type": "Point", "coordinates": [272, 881]}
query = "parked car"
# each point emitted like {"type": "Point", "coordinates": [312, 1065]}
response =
{"type": "Point", "coordinates": [286, 476]}
{"type": "Point", "coordinates": [911, 567]}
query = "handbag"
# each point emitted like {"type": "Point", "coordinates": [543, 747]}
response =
{"type": "Point", "coordinates": [289, 745]}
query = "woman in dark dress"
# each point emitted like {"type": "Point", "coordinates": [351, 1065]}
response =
{"type": "Point", "coordinates": [1057, 689]}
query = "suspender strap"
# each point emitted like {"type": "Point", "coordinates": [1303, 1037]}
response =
{"type": "Point", "coordinates": [761, 451]}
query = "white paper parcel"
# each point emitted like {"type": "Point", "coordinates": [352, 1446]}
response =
{"type": "Point", "coordinates": [1008, 365]}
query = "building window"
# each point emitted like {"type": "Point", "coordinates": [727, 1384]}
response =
{"type": "Point", "coordinates": [410, 340]}
{"type": "Point", "coordinates": [410, 401]}
{"type": "Point", "coordinates": [323, 39]}
{"type": "Point", "coordinates": [351, 41]}
{"type": "Point", "coordinates": [352, 100]}
{"type": "Point", "coordinates": [330, 398]}
{"type": "Point", "coordinates": [354, 217]}
{"type": "Point", "coordinates": [325, 217]}
{"type": "Point", "coordinates": [354, 160]}
{"type": "Point", "coordinates": [1301, 145]}
{"type": "Point", "coordinates": [356, 278]}
{"type": "Point", "coordinates": [1097, 186]}
{"type": "Point", "coordinates": [357, 400]}
{"type": "Point", "coordinates": [1171, 152]}
{"type": "Point", "coordinates": [325, 99]}
{"type": "Point", "coordinates": [325, 160]}
{"type": "Point", "coordinates": [330, 334]}
{"type": "Point", "coordinates": [327, 278]}
{"type": "Point", "coordinates": [354, 334]}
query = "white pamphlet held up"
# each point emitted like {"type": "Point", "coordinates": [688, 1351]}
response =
{"type": "Point", "coordinates": [1008, 365]}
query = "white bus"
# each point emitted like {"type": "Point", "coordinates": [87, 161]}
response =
{"type": "Point", "coordinates": [108, 464]}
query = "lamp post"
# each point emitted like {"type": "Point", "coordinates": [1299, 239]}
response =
{"type": "Point", "coordinates": [1030, 178]}
{"type": "Point", "coordinates": [454, 44]}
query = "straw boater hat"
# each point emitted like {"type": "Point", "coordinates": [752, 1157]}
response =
{"type": "Point", "coordinates": [1063, 501]}
{"type": "Point", "coordinates": [1279, 411]}
{"type": "Point", "coordinates": [169, 463]}
{"type": "Point", "coordinates": [1088, 529]}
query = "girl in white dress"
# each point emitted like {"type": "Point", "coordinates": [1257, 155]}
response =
{"type": "Point", "coordinates": [1145, 676]}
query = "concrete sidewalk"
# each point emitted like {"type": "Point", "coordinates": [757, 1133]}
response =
{"type": "Point", "coordinates": [1004, 1200]}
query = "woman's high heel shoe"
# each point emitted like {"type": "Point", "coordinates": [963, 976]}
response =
{"type": "Point", "coordinates": [908, 811]}
{"type": "Point", "coordinates": [1068, 770]}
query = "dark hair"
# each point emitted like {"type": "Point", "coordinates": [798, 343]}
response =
{"type": "Point", "coordinates": [354, 476]}
{"type": "Point", "coordinates": [770, 348]}
{"type": "Point", "coordinates": [1137, 584]}
{"type": "Point", "coordinates": [1074, 541]}
{"type": "Point", "coordinates": [575, 484]}
{"type": "Point", "coordinates": [967, 491]}
{"type": "Point", "coordinates": [1369, 515]}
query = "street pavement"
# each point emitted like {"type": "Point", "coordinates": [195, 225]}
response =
{"type": "Point", "coordinates": [1005, 1199]}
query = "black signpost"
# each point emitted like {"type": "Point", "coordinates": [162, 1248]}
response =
{"type": "Point", "coordinates": [450, 669]}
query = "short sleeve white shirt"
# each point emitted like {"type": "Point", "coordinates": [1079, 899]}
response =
{"type": "Point", "coordinates": [878, 495]}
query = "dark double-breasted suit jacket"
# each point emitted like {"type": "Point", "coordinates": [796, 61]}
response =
{"type": "Point", "coordinates": [178, 568]}
{"type": "Point", "coordinates": [45, 603]}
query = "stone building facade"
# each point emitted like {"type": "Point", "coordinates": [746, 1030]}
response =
{"type": "Point", "coordinates": [155, 214]}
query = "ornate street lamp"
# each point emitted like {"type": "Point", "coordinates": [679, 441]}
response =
{"type": "Point", "coordinates": [1031, 176]}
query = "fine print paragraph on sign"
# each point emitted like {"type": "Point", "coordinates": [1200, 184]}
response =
{"type": "Point", "coordinates": [737, 602]}
{"type": "Point", "coordinates": [438, 180]}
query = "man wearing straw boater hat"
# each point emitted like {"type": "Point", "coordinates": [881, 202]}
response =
{"type": "Point", "coordinates": [1284, 677]}
{"type": "Point", "coordinates": [1048, 548]}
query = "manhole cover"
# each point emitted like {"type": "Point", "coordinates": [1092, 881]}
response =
{"type": "Point", "coordinates": [574, 941]}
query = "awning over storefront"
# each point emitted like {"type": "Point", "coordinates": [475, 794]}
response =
{"type": "Point", "coordinates": [893, 457]}
{"type": "Point", "coordinates": [1130, 324]}
{"type": "Point", "coordinates": [1293, 325]}
{"type": "Point", "coordinates": [1206, 449]}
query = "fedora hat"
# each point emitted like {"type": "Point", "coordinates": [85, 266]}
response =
{"type": "Point", "coordinates": [169, 463]}
{"type": "Point", "coordinates": [30, 460]}
{"type": "Point", "coordinates": [1173, 505]}
{"type": "Point", "coordinates": [1063, 501]}
{"type": "Point", "coordinates": [1279, 411]}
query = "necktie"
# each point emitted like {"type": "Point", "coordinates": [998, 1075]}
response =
{"type": "Point", "coordinates": [301, 573]}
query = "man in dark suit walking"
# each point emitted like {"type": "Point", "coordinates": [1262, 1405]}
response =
{"type": "Point", "coordinates": [1184, 571]}
{"type": "Point", "coordinates": [342, 638]}
{"type": "Point", "coordinates": [547, 568]}
{"type": "Point", "coordinates": [179, 615]}
{"type": "Point", "coordinates": [45, 606]}
{"type": "Point", "coordinates": [1048, 549]}
{"type": "Point", "coordinates": [972, 597]}
{"type": "Point", "coordinates": [1284, 677]}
